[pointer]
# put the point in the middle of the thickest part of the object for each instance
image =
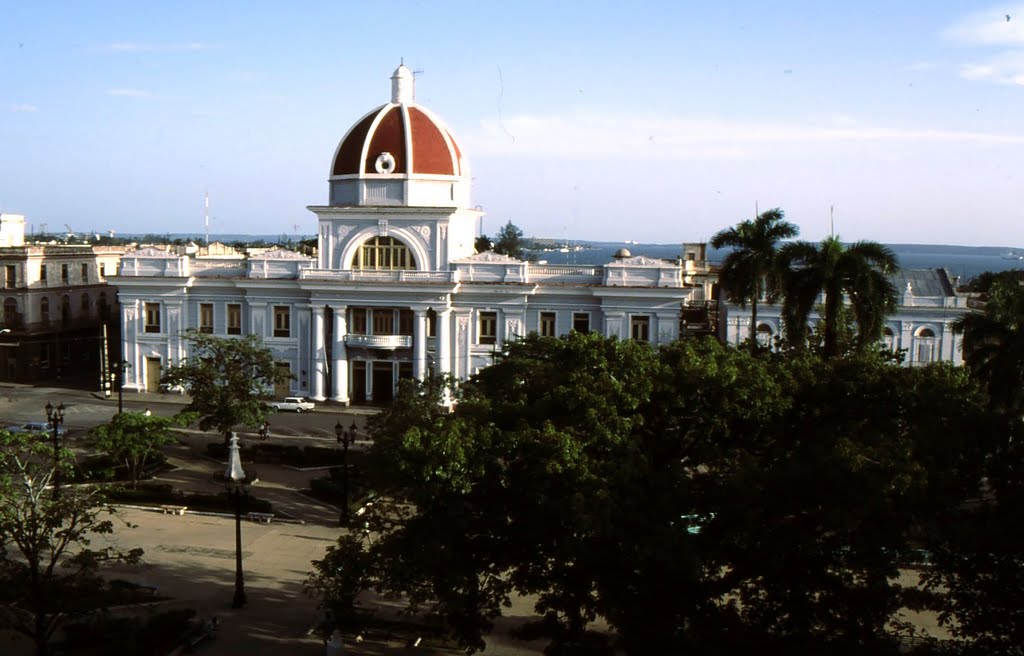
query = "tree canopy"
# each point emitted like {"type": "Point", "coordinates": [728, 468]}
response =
{"type": "Point", "coordinates": [510, 241]}
{"type": "Point", "coordinates": [226, 379]}
{"type": "Point", "coordinates": [133, 439]}
{"type": "Point", "coordinates": [48, 565]}
{"type": "Point", "coordinates": [695, 497]}
{"type": "Point", "coordinates": [751, 269]}
{"type": "Point", "coordinates": [859, 272]}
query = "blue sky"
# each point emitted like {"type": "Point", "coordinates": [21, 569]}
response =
{"type": "Point", "coordinates": [648, 121]}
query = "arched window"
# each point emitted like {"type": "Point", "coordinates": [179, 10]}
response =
{"type": "Point", "coordinates": [85, 305]}
{"type": "Point", "coordinates": [101, 304]}
{"type": "Point", "coordinates": [924, 345]}
{"type": "Point", "coordinates": [888, 339]}
{"type": "Point", "coordinates": [383, 254]}
{"type": "Point", "coordinates": [44, 309]}
{"type": "Point", "coordinates": [10, 312]}
{"type": "Point", "coordinates": [65, 309]}
{"type": "Point", "coordinates": [764, 335]}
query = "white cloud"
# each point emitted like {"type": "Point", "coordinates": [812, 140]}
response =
{"type": "Point", "coordinates": [130, 93]}
{"type": "Point", "coordinates": [919, 66]}
{"type": "Point", "coordinates": [684, 138]}
{"type": "Point", "coordinates": [22, 107]}
{"type": "Point", "coordinates": [1004, 68]}
{"type": "Point", "coordinates": [123, 46]}
{"type": "Point", "coordinates": [1000, 32]}
{"type": "Point", "coordinates": [990, 27]}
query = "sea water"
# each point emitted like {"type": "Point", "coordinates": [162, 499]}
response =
{"type": "Point", "coordinates": [963, 262]}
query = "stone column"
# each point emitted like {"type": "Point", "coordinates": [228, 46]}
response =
{"type": "Point", "coordinates": [444, 341]}
{"type": "Point", "coordinates": [319, 354]}
{"type": "Point", "coordinates": [419, 345]}
{"type": "Point", "coordinates": [340, 391]}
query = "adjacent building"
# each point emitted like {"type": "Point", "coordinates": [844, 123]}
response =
{"type": "Point", "coordinates": [55, 306]}
{"type": "Point", "coordinates": [921, 325]}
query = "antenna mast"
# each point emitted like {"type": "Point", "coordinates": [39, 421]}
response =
{"type": "Point", "coordinates": [206, 217]}
{"type": "Point", "coordinates": [831, 221]}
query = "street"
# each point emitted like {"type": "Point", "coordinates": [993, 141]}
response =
{"type": "Point", "coordinates": [84, 410]}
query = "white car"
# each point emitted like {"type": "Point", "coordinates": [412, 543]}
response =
{"type": "Point", "coordinates": [35, 427]}
{"type": "Point", "coordinates": [293, 404]}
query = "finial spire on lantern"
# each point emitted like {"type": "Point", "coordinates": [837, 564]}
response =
{"type": "Point", "coordinates": [402, 85]}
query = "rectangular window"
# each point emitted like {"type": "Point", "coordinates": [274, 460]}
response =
{"type": "Point", "coordinates": [234, 319]}
{"type": "Point", "coordinates": [358, 321]}
{"type": "Point", "coordinates": [581, 322]}
{"type": "Point", "coordinates": [103, 270]}
{"type": "Point", "coordinates": [488, 328]}
{"type": "Point", "coordinates": [85, 273]}
{"type": "Point", "coordinates": [282, 321]}
{"type": "Point", "coordinates": [547, 324]}
{"type": "Point", "coordinates": [42, 274]}
{"type": "Point", "coordinates": [10, 276]}
{"type": "Point", "coordinates": [383, 322]}
{"type": "Point", "coordinates": [152, 317]}
{"type": "Point", "coordinates": [639, 329]}
{"type": "Point", "coordinates": [405, 321]}
{"type": "Point", "coordinates": [44, 356]}
{"type": "Point", "coordinates": [431, 323]}
{"type": "Point", "coordinates": [206, 317]}
{"type": "Point", "coordinates": [65, 273]}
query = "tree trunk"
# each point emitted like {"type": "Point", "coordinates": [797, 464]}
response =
{"type": "Point", "coordinates": [753, 324]}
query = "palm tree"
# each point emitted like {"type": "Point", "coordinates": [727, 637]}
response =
{"type": "Point", "coordinates": [860, 272]}
{"type": "Point", "coordinates": [994, 345]}
{"type": "Point", "coordinates": [749, 270]}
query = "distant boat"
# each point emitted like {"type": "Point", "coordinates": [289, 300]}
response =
{"type": "Point", "coordinates": [1011, 255]}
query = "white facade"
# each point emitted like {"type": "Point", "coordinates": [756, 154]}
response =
{"type": "Point", "coordinates": [922, 323]}
{"type": "Point", "coordinates": [396, 289]}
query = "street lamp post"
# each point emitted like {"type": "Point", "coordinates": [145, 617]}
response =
{"type": "Point", "coordinates": [121, 366]}
{"type": "Point", "coordinates": [345, 438]}
{"type": "Point", "coordinates": [237, 485]}
{"type": "Point", "coordinates": [54, 419]}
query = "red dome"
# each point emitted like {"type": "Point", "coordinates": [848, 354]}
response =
{"type": "Point", "coordinates": [399, 138]}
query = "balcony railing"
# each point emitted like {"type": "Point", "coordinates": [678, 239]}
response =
{"type": "Point", "coordinates": [390, 342]}
{"type": "Point", "coordinates": [379, 276]}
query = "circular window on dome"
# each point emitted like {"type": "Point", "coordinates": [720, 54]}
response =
{"type": "Point", "coordinates": [385, 163]}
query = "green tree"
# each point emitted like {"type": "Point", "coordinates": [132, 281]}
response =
{"type": "Point", "coordinates": [859, 272]}
{"type": "Point", "coordinates": [48, 567]}
{"type": "Point", "coordinates": [483, 244]}
{"type": "Point", "coordinates": [134, 439]}
{"type": "Point", "coordinates": [750, 270]}
{"type": "Point", "coordinates": [698, 498]}
{"type": "Point", "coordinates": [977, 560]}
{"type": "Point", "coordinates": [510, 241]}
{"type": "Point", "coordinates": [993, 345]}
{"type": "Point", "coordinates": [226, 378]}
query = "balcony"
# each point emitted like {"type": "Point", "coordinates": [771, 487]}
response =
{"type": "Point", "coordinates": [385, 342]}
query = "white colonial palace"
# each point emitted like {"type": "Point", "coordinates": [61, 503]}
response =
{"type": "Point", "coordinates": [396, 288]}
{"type": "Point", "coordinates": [921, 326]}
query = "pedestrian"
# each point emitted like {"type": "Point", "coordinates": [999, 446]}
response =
{"type": "Point", "coordinates": [148, 413]}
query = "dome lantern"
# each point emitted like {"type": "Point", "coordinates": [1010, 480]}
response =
{"type": "Point", "coordinates": [403, 85]}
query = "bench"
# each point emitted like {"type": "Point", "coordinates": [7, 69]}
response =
{"type": "Point", "coordinates": [262, 518]}
{"type": "Point", "coordinates": [173, 510]}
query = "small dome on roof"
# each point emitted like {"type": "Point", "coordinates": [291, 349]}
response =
{"type": "Point", "coordinates": [622, 253]}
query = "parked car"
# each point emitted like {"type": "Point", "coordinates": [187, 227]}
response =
{"type": "Point", "coordinates": [35, 427]}
{"type": "Point", "coordinates": [293, 404]}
